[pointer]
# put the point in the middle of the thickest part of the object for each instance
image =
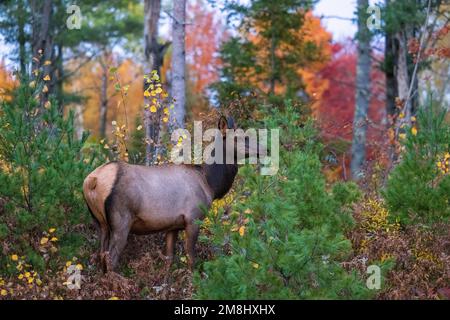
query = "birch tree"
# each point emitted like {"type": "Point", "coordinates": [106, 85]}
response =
{"type": "Point", "coordinates": [178, 63]}
{"type": "Point", "coordinates": [154, 56]}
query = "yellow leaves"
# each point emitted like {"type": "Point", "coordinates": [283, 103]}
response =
{"type": "Point", "coordinates": [242, 231]}
{"type": "Point", "coordinates": [79, 266]}
{"type": "Point", "coordinates": [153, 109]}
{"type": "Point", "coordinates": [44, 240]}
{"type": "Point", "coordinates": [155, 76]}
{"type": "Point", "coordinates": [113, 298]}
{"type": "Point", "coordinates": [20, 276]}
{"type": "Point", "coordinates": [47, 62]}
{"type": "Point", "coordinates": [255, 265]}
{"type": "Point", "coordinates": [38, 282]}
{"type": "Point", "coordinates": [414, 131]}
{"type": "Point", "coordinates": [165, 119]}
{"type": "Point", "coordinates": [158, 90]}
{"type": "Point", "coordinates": [166, 110]}
{"type": "Point", "coordinates": [443, 163]}
{"type": "Point", "coordinates": [51, 230]}
{"type": "Point", "coordinates": [376, 217]}
{"type": "Point", "coordinates": [68, 263]}
{"type": "Point", "coordinates": [14, 257]}
{"type": "Point", "coordinates": [54, 239]}
{"type": "Point", "coordinates": [402, 136]}
{"type": "Point", "coordinates": [3, 292]}
{"type": "Point", "coordinates": [112, 70]}
{"type": "Point", "coordinates": [146, 93]}
{"type": "Point", "coordinates": [47, 78]}
{"type": "Point", "coordinates": [27, 274]}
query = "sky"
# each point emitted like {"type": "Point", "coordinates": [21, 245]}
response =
{"type": "Point", "coordinates": [340, 29]}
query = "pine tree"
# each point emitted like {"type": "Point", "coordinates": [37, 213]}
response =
{"type": "Point", "coordinates": [42, 166]}
{"type": "Point", "coordinates": [284, 235]}
{"type": "Point", "coordinates": [268, 51]}
{"type": "Point", "coordinates": [418, 189]}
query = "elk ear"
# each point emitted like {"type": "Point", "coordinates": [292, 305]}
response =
{"type": "Point", "coordinates": [230, 122]}
{"type": "Point", "coordinates": [223, 125]}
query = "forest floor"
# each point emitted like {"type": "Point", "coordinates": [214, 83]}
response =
{"type": "Point", "coordinates": [143, 273]}
{"type": "Point", "coordinates": [420, 268]}
{"type": "Point", "coordinates": [420, 264]}
{"type": "Point", "coordinates": [419, 259]}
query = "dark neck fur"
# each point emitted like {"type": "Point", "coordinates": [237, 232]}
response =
{"type": "Point", "coordinates": [220, 177]}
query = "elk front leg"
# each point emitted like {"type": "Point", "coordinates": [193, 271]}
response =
{"type": "Point", "coordinates": [192, 231]}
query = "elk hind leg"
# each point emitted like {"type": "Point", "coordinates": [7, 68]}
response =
{"type": "Point", "coordinates": [171, 239]}
{"type": "Point", "coordinates": [192, 230]}
{"type": "Point", "coordinates": [120, 228]}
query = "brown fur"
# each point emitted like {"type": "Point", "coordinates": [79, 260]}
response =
{"type": "Point", "coordinates": [128, 198]}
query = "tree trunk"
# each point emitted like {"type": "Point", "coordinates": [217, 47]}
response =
{"type": "Point", "coordinates": [362, 93]}
{"type": "Point", "coordinates": [42, 40]}
{"type": "Point", "coordinates": [78, 121]}
{"type": "Point", "coordinates": [178, 63]}
{"type": "Point", "coordinates": [272, 65]}
{"type": "Point", "coordinates": [154, 57]}
{"type": "Point", "coordinates": [21, 38]}
{"type": "Point", "coordinates": [104, 100]}
{"type": "Point", "coordinates": [58, 79]}
{"type": "Point", "coordinates": [401, 68]}
{"type": "Point", "coordinates": [389, 64]}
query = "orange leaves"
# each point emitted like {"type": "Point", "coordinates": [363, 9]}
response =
{"type": "Point", "coordinates": [89, 80]}
{"type": "Point", "coordinates": [202, 44]}
{"type": "Point", "coordinates": [7, 82]}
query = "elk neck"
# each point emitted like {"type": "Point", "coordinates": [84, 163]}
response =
{"type": "Point", "coordinates": [220, 177]}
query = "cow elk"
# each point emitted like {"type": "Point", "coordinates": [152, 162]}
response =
{"type": "Point", "coordinates": [126, 198]}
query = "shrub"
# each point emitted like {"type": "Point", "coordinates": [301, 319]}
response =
{"type": "Point", "coordinates": [418, 189]}
{"type": "Point", "coordinates": [284, 237]}
{"type": "Point", "coordinates": [42, 167]}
